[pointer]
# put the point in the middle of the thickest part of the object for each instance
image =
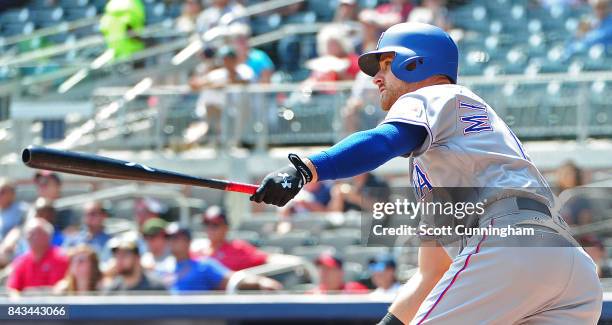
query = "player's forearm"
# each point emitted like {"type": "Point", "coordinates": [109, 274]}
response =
{"type": "Point", "coordinates": [366, 150]}
{"type": "Point", "coordinates": [433, 263]}
{"type": "Point", "coordinates": [410, 297]}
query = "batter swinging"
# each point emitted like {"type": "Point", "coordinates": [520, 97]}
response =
{"type": "Point", "coordinates": [454, 139]}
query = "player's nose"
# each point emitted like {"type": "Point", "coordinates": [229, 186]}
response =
{"type": "Point", "coordinates": [378, 80]}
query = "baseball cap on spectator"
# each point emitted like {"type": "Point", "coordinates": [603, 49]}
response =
{"type": "Point", "coordinates": [215, 215]}
{"type": "Point", "coordinates": [226, 52]}
{"type": "Point", "coordinates": [329, 259]}
{"type": "Point", "coordinates": [42, 176]}
{"type": "Point", "coordinates": [123, 243]}
{"type": "Point", "coordinates": [152, 205]}
{"type": "Point", "coordinates": [380, 263]}
{"type": "Point", "coordinates": [154, 226]}
{"type": "Point", "coordinates": [175, 229]}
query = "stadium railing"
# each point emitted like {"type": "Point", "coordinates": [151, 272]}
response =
{"type": "Point", "coordinates": [552, 106]}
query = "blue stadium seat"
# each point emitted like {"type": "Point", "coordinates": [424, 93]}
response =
{"type": "Point", "coordinates": [155, 13]}
{"type": "Point", "coordinates": [324, 9]}
{"type": "Point", "coordinates": [80, 13]}
{"type": "Point", "coordinates": [73, 3]}
{"type": "Point", "coordinates": [265, 24]}
{"type": "Point", "coordinates": [14, 16]}
{"type": "Point", "coordinates": [174, 10]}
{"type": "Point", "coordinates": [99, 4]}
{"type": "Point", "coordinates": [17, 29]}
{"type": "Point", "coordinates": [45, 16]}
{"type": "Point", "coordinates": [41, 4]}
{"type": "Point", "coordinates": [307, 17]}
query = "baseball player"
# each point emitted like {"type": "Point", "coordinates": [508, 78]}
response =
{"type": "Point", "coordinates": [454, 139]}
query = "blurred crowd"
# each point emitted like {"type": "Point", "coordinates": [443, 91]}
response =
{"type": "Point", "coordinates": [50, 250]}
{"type": "Point", "coordinates": [60, 251]}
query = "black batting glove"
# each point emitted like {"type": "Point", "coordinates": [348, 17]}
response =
{"type": "Point", "coordinates": [282, 185]}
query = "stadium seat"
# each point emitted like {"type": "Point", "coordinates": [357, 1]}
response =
{"type": "Point", "coordinates": [352, 271]}
{"type": "Point", "coordinates": [272, 249]}
{"type": "Point", "coordinates": [155, 13]}
{"type": "Point", "coordinates": [340, 240]}
{"type": "Point", "coordinates": [246, 235]}
{"type": "Point", "coordinates": [311, 252]}
{"type": "Point", "coordinates": [14, 16]}
{"type": "Point", "coordinates": [324, 9]}
{"type": "Point", "coordinates": [307, 17]}
{"type": "Point", "coordinates": [260, 225]}
{"type": "Point", "coordinates": [363, 255]}
{"type": "Point", "coordinates": [313, 224]}
{"type": "Point", "coordinates": [47, 16]}
{"type": "Point", "coordinates": [80, 13]}
{"type": "Point", "coordinates": [17, 29]}
{"type": "Point", "coordinates": [287, 242]}
{"type": "Point", "coordinates": [73, 3]}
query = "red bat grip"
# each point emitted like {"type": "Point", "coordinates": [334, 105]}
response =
{"type": "Point", "coordinates": [242, 188]}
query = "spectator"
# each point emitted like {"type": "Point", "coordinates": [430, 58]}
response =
{"type": "Point", "coordinates": [234, 254]}
{"type": "Point", "coordinates": [256, 59]}
{"type": "Point", "coordinates": [186, 22]}
{"type": "Point", "coordinates": [347, 11]}
{"type": "Point", "coordinates": [93, 234]}
{"type": "Point", "coordinates": [221, 12]}
{"type": "Point", "coordinates": [49, 186]}
{"type": "Point", "coordinates": [383, 270]}
{"type": "Point", "coordinates": [158, 259]}
{"type": "Point", "coordinates": [120, 24]}
{"type": "Point", "coordinates": [84, 275]}
{"type": "Point", "coordinates": [431, 12]}
{"type": "Point", "coordinates": [205, 274]}
{"type": "Point", "coordinates": [129, 274]}
{"type": "Point", "coordinates": [361, 195]}
{"type": "Point", "coordinates": [361, 92]}
{"type": "Point", "coordinates": [595, 248]}
{"type": "Point", "coordinates": [331, 274]}
{"type": "Point", "coordinates": [578, 209]}
{"type": "Point", "coordinates": [389, 14]}
{"type": "Point", "coordinates": [148, 208]}
{"type": "Point", "coordinates": [11, 211]}
{"type": "Point", "coordinates": [314, 198]}
{"type": "Point", "coordinates": [211, 101]}
{"type": "Point", "coordinates": [337, 58]}
{"type": "Point", "coordinates": [43, 265]}
{"type": "Point", "coordinates": [597, 31]}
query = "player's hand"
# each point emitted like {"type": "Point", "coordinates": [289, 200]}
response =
{"type": "Point", "coordinates": [282, 185]}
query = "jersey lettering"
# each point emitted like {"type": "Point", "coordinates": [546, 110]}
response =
{"type": "Point", "coordinates": [420, 182]}
{"type": "Point", "coordinates": [476, 123]}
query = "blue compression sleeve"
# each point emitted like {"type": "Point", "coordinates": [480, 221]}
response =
{"type": "Point", "coordinates": [366, 150]}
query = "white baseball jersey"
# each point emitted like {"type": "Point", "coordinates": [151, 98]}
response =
{"type": "Point", "coordinates": [467, 145]}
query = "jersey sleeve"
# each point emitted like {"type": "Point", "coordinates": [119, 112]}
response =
{"type": "Point", "coordinates": [437, 115]}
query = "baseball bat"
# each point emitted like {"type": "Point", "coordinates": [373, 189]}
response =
{"type": "Point", "coordinates": [98, 166]}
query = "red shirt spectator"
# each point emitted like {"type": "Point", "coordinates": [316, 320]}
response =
{"type": "Point", "coordinates": [389, 8]}
{"type": "Point", "coordinates": [28, 272]}
{"type": "Point", "coordinates": [331, 273]}
{"type": "Point", "coordinates": [239, 254]}
{"type": "Point", "coordinates": [234, 254]}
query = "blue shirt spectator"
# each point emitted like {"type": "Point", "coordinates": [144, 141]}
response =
{"type": "Point", "coordinates": [601, 33]}
{"type": "Point", "coordinates": [93, 233]}
{"type": "Point", "coordinates": [12, 212]}
{"type": "Point", "coordinates": [199, 275]}
{"type": "Point", "coordinates": [259, 61]}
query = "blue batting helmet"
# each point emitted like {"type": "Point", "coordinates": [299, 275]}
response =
{"type": "Point", "coordinates": [421, 51]}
